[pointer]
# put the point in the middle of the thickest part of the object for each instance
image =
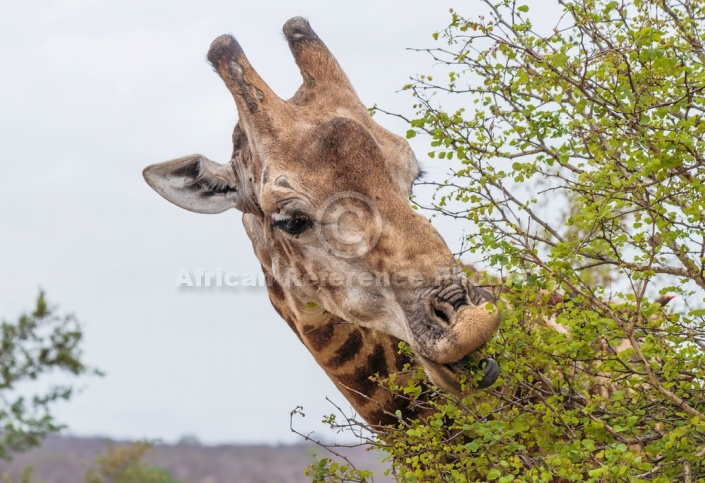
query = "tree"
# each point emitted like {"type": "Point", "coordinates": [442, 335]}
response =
{"type": "Point", "coordinates": [40, 343]}
{"type": "Point", "coordinates": [579, 157]}
{"type": "Point", "coordinates": [124, 464]}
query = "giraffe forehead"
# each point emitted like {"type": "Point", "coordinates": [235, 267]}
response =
{"type": "Point", "coordinates": [339, 155]}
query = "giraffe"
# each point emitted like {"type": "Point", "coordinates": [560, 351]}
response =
{"type": "Point", "coordinates": [324, 191]}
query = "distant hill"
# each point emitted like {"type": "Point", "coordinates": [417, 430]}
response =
{"type": "Point", "coordinates": [63, 459]}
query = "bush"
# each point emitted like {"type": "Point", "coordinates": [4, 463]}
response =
{"type": "Point", "coordinates": [40, 343]}
{"type": "Point", "coordinates": [124, 464]}
{"type": "Point", "coordinates": [579, 158]}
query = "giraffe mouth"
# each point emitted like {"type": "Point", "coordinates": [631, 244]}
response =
{"type": "Point", "coordinates": [469, 367]}
{"type": "Point", "coordinates": [458, 319]}
{"type": "Point", "coordinates": [458, 377]}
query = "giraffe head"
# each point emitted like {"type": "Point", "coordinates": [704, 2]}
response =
{"type": "Point", "coordinates": [324, 191]}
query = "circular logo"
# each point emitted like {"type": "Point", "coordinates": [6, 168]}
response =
{"type": "Point", "coordinates": [350, 224]}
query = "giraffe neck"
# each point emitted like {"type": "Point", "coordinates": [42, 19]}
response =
{"type": "Point", "coordinates": [351, 356]}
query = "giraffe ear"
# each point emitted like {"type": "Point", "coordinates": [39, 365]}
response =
{"type": "Point", "coordinates": [195, 183]}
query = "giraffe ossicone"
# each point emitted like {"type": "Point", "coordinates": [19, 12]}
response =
{"type": "Point", "coordinates": [324, 191]}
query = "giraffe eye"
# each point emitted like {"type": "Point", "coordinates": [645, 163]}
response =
{"type": "Point", "coordinates": [294, 225]}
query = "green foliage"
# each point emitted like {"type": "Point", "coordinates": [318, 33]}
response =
{"type": "Point", "coordinates": [328, 470]}
{"type": "Point", "coordinates": [124, 464]}
{"type": "Point", "coordinates": [39, 344]}
{"type": "Point", "coordinates": [581, 155]}
{"type": "Point", "coordinates": [26, 476]}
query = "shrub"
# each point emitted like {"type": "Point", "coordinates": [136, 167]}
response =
{"type": "Point", "coordinates": [579, 161]}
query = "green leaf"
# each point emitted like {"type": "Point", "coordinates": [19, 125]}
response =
{"type": "Point", "coordinates": [560, 59]}
{"type": "Point", "coordinates": [473, 445]}
{"type": "Point", "coordinates": [493, 474]}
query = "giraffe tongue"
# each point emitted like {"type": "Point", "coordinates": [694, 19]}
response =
{"type": "Point", "coordinates": [491, 371]}
{"type": "Point", "coordinates": [467, 365]}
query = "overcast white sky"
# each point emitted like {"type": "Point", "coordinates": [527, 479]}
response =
{"type": "Point", "coordinates": [91, 92]}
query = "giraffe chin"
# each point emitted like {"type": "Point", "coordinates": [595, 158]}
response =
{"type": "Point", "coordinates": [449, 377]}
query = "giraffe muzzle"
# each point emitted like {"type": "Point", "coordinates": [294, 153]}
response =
{"type": "Point", "coordinates": [463, 321]}
{"type": "Point", "coordinates": [459, 319]}
{"type": "Point", "coordinates": [467, 330]}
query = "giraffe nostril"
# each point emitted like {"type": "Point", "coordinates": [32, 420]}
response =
{"type": "Point", "coordinates": [440, 314]}
{"type": "Point", "coordinates": [446, 302]}
{"type": "Point", "coordinates": [440, 311]}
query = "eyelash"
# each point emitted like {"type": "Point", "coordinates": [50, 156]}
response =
{"type": "Point", "coordinates": [294, 225]}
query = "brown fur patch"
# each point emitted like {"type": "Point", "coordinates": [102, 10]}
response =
{"type": "Point", "coordinates": [319, 337]}
{"type": "Point", "coordinates": [377, 361]}
{"type": "Point", "coordinates": [358, 386]}
{"type": "Point", "coordinates": [359, 380]}
{"type": "Point", "coordinates": [399, 358]}
{"type": "Point", "coordinates": [346, 352]}
{"type": "Point", "coordinates": [382, 417]}
{"type": "Point", "coordinates": [275, 289]}
{"type": "Point", "coordinates": [386, 416]}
